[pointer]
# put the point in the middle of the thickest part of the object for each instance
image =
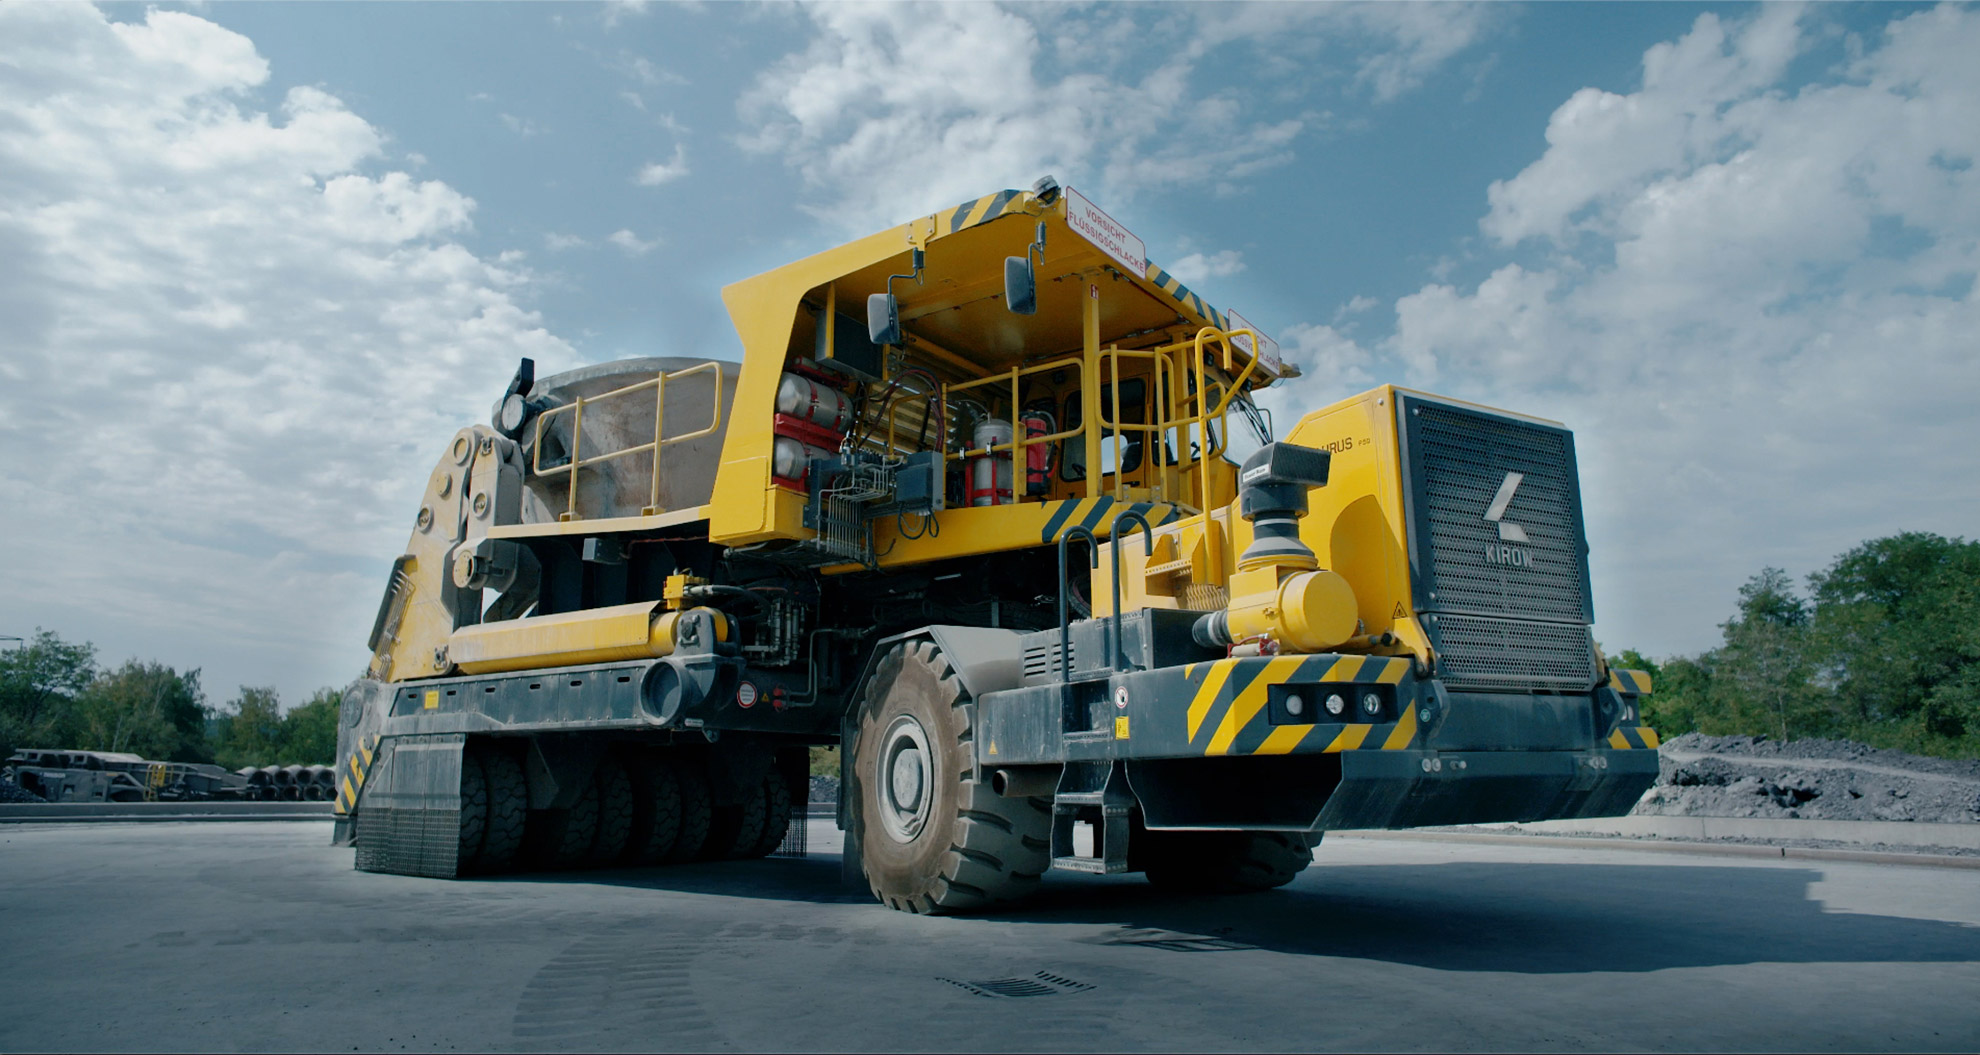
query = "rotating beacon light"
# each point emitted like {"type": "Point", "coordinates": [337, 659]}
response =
{"type": "Point", "coordinates": [1280, 591]}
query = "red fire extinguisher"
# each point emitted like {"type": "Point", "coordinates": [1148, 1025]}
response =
{"type": "Point", "coordinates": [1037, 456]}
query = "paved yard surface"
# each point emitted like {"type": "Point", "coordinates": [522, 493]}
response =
{"type": "Point", "coordinates": [260, 936]}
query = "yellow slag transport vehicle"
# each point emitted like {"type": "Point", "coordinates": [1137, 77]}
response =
{"type": "Point", "coordinates": [987, 503]}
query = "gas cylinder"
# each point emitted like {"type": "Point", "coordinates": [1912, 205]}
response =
{"type": "Point", "coordinates": [790, 456]}
{"type": "Point", "coordinates": [990, 474]}
{"type": "Point", "coordinates": [819, 404]}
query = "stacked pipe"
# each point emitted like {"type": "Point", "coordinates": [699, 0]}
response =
{"type": "Point", "coordinates": [322, 786]}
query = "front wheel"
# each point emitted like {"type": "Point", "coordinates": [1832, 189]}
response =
{"type": "Point", "coordinates": [1225, 862]}
{"type": "Point", "coordinates": [934, 837]}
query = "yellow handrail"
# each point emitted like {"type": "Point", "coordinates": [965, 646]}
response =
{"type": "Point", "coordinates": [660, 439]}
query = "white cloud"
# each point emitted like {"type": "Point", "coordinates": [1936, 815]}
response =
{"type": "Point", "coordinates": [1394, 47]}
{"type": "Point", "coordinates": [557, 242]}
{"type": "Point", "coordinates": [1756, 306]}
{"type": "Point", "coordinates": [656, 173]}
{"type": "Point", "coordinates": [231, 347]}
{"type": "Point", "coordinates": [896, 110]}
{"type": "Point", "coordinates": [633, 244]}
{"type": "Point", "coordinates": [616, 10]}
{"type": "Point", "coordinates": [1193, 268]}
{"type": "Point", "coordinates": [521, 126]}
{"type": "Point", "coordinates": [1356, 306]}
{"type": "Point", "coordinates": [634, 100]}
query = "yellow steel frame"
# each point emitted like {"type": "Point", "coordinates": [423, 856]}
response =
{"type": "Point", "coordinates": [660, 439]}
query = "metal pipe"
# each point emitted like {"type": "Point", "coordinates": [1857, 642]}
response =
{"type": "Point", "coordinates": [1065, 632]}
{"type": "Point", "coordinates": [1114, 536]}
{"type": "Point", "coordinates": [1021, 782]}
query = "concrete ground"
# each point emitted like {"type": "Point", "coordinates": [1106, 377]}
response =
{"type": "Point", "coordinates": [260, 936]}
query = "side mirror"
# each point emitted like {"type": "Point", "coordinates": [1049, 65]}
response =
{"type": "Point", "coordinates": [1020, 285]}
{"type": "Point", "coordinates": [883, 318]}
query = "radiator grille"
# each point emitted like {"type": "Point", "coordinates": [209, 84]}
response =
{"type": "Point", "coordinates": [1512, 654]}
{"type": "Point", "coordinates": [1506, 598]}
{"type": "Point", "coordinates": [1461, 460]}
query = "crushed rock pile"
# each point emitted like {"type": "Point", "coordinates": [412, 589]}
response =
{"type": "Point", "coordinates": [1740, 776]}
{"type": "Point", "coordinates": [824, 789]}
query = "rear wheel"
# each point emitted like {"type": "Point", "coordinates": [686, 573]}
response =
{"type": "Point", "coordinates": [474, 812]}
{"type": "Point", "coordinates": [656, 811]}
{"type": "Point", "coordinates": [934, 837]}
{"type": "Point", "coordinates": [508, 809]}
{"type": "Point", "coordinates": [1226, 862]}
{"type": "Point", "coordinates": [696, 810]}
{"type": "Point", "coordinates": [570, 842]}
{"type": "Point", "coordinates": [776, 816]}
{"type": "Point", "coordinates": [615, 812]}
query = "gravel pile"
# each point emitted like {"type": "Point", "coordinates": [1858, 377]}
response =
{"type": "Point", "coordinates": [11, 792]}
{"type": "Point", "coordinates": [1738, 776]}
{"type": "Point", "coordinates": [824, 789]}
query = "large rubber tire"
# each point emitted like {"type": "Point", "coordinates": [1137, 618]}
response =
{"type": "Point", "coordinates": [474, 813]}
{"type": "Point", "coordinates": [776, 817]}
{"type": "Point", "coordinates": [697, 810]}
{"type": "Point", "coordinates": [570, 844]}
{"type": "Point", "coordinates": [508, 810]}
{"type": "Point", "coordinates": [1226, 862]}
{"type": "Point", "coordinates": [656, 810]}
{"type": "Point", "coordinates": [736, 828]}
{"type": "Point", "coordinates": [615, 812]}
{"type": "Point", "coordinates": [933, 836]}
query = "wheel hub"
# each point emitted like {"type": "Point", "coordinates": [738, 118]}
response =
{"type": "Point", "coordinates": [906, 779]}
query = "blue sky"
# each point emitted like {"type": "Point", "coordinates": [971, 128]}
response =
{"type": "Point", "coordinates": [257, 261]}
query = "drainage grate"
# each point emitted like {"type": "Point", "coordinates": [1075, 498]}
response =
{"type": "Point", "coordinates": [1043, 983]}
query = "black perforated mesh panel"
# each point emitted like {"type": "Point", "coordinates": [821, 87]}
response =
{"type": "Point", "coordinates": [1512, 654]}
{"type": "Point", "coordinates": [1511, 594]}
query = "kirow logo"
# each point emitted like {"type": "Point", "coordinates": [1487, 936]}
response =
{"type": "Point", "coordinates": [1510, 555]}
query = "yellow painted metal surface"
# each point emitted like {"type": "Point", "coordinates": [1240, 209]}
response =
{"type": "Point", "coordinates": [640, 630]}
{"type": "Point", "coordinates": [958, 328]}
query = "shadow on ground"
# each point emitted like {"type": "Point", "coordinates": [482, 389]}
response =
{"type": "Point", "coordinates": [1465, 916]}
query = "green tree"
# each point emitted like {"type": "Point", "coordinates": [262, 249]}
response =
{"type": "Point", "coordinates": [1895, 623]}
{"type": "Point", "coordinates": [147, 709]}
{"type": "Point", "coordinates": [252, 733]}
{"type": "Point", "coordinates": [309, 732]}
{"type": "Point", "coordinates": [38, 685]}
{"type": "Point", "coordinates": [1763, 676]}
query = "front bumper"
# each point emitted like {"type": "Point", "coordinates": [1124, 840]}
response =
{"type": "Point", "coordinates": [1249, 743]}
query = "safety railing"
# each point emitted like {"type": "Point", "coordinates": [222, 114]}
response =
{"type": "Point", "coordinates": [660, 438]}
{"type": "Point", "coordinates": [1173, 367]}
{"type": "Point", "coordinates": [1020, 439]}
{"type": "Point", "coordinates": [1183, 399]}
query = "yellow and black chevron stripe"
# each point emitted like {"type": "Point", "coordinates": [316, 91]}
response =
{"type": "Point", "coordinates": [989, 207]}
{"type": "Point", "coordinates": [975, 211]}
{"type": "Point", "coordinates": [1634, 737]}
{"type": "Point", "coordinates": [1225, 709]}
{"type": "Point", "coordinates": [1169, 284]}
{"type": "Point", "coordinates": [1097, 515]}
{"type": "Point", "coordinates": [355, 768]}
{"type": "Point", "coordinates": [1630, 682]}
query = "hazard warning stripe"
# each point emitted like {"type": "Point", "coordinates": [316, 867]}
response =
{"type": "Point", "coordinates": [1634, 737]}
{"type": "Point", "coordinates": [1242, 699]}
{"type": "Point", "coordinates": [991, 206]}
{"type": "Point", "coordinates": [356, 768]}
{"type": "Point", "coordinates": [1630, 682]}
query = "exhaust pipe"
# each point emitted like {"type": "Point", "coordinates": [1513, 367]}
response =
{"type": "Point", "coordinates": [1020, 782]}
